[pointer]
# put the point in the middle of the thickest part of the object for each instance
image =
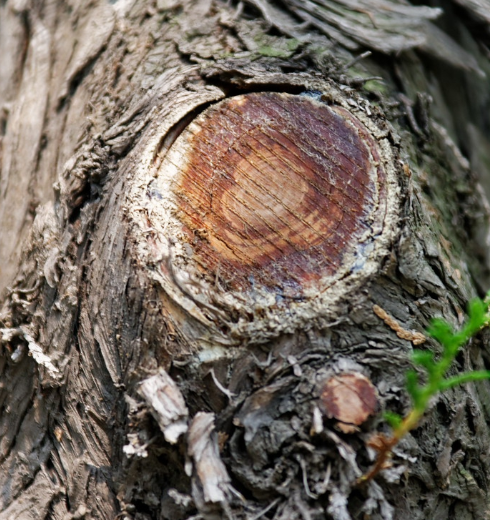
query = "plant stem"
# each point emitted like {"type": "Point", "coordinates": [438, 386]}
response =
{"type": "Point", "coordinates": [409, 423]}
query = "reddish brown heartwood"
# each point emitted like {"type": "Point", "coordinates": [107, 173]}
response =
{"type": "Point", "coordinates": [276, 189]}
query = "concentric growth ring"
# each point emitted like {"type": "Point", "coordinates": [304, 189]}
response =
{"type": "Point", "coordinates": [275, 189]}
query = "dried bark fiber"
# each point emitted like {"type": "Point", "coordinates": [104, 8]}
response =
{"type": "Point", "coordinates": [126, 392]}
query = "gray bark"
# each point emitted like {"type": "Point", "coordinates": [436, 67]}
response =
{"type": "Point", "coordinates": [103, 364]}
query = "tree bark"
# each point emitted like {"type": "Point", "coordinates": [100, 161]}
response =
{"type": "Point", "coordinates": [160, 362]}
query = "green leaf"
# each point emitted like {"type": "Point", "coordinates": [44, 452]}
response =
{"type": "Point", "coordinates": [393, 419]}
{"type": "Point", "coordinates": [441, 331]}
{"type": "Point", "coordinates": [423, 358]}
{"type": "Point", "coordinates": [476, 313]}
{"type": "Point", "coordinates": [486, 300]}
{"type": "Point", "coordinates": [413, 387]}
{"type": "Point", "coordinates": [468, 377]}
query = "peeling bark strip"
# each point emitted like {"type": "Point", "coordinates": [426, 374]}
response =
{"type": "Point", "coordinates": [211, 482]}
{"type": "Point", "coordinates": [167, 405]}
{"type": "Point", "coordinates": [276, 200]}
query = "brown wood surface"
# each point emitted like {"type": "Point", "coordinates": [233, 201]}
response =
{"type": "Point", "coordinates": [276, 189]}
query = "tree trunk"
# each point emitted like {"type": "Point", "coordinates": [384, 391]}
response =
{"type": "Point", "coordinates": [212, 216]}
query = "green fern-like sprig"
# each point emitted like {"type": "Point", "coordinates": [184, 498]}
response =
{"type": "Point", "coordinates": [435, 379]}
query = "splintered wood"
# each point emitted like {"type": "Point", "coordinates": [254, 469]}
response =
{"type": "Point", "coordinates": [416, 338]}
{"type": "Point", "coordinates": [211, 482]}
{"type": "Point", "coordinates": [166, 404]}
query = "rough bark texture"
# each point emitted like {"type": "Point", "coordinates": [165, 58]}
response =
{"type": "Point", "coordinates": [131, 385]}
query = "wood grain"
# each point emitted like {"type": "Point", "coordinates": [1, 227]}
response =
{"type": "Point", "coordinates": [276, 188]}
